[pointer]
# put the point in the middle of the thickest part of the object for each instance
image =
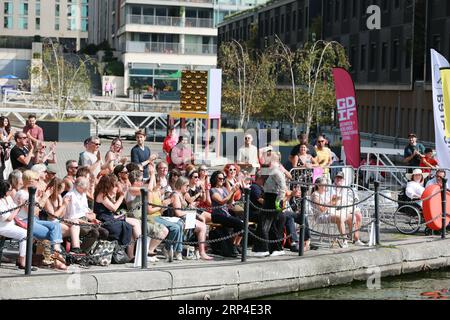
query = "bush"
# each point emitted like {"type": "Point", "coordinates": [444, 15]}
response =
{"type": "Point", "coordinates": [36, 55]}
{"type": "Point", "coordinates": [91, 49]}
{"type": "Point", "coordinates": [114, 68]}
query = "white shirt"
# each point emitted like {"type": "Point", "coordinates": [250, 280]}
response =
{"type": "Point", "coordinates": [21, 197]}
{"type": "Point", "coordinates": [88, 159]}
{"type": "Point", "coordinates": [78, 206]}
{"type": "Point", "coordinates": [248, 155]}
{"type": "Point", "coordinates": [414, 190]}
{"type": "Point", "coordinates": [6, 204]}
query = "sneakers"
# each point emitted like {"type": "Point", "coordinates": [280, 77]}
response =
{"type": "Point", "coordinates": [359, 243]}
{"type": "Point", "coordinates": [261, 254]}
{"type": "Point", "coordinates": [152, 259]}
{"type": "Point", "coordinates": [178, 256]}
{"type": "Point", "coordinates": [168, 254]}
{"type": "Point", "coordinates": [277, 253]}
{"type": "Point", "coordinates": [343, 244]}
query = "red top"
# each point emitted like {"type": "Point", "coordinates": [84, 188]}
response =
{"type": "Point", "coordinates": [431, 161]}
{"type": "Point", "coordinates": [35, 132]}
{"type": "Point", "coordinates": [168, 144]}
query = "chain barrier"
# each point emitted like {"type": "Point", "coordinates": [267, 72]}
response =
{"type": "Point", "coordinates": [268, 241]}
{"type": "Point", "coordinates": [330, 235]}
{"type": "Point", "coordinates": [12, 209]}
{"type": "Point", "coordinates": [342, 206]}
{"type": "Point", "coordinates": [412, 201]}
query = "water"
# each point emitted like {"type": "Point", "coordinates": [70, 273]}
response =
{"type": "Point", "coordinates": [432, 285]}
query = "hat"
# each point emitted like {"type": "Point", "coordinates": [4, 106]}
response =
{"type": "Point", "coordinates": [340, 174]}
{"type": "Point", "coordinates": [51, 168]}
{"type": "Point", "coordinates": [416, 171]}
{"type": "Point", "coordinates": [412, 135]}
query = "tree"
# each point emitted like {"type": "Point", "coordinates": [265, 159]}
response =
{"type": "Point", "coordinates": [314, 68]}
{"type": "Point", "coordinates": [249, 79]}
{"type": "Point", "coordinates": [64, 85]}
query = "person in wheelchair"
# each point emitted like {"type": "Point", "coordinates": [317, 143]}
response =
{"type": "Point", "coordinates": [414, 188]}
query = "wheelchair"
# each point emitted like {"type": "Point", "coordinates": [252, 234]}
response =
{"type": "Point", "coordinates": [408, 216]}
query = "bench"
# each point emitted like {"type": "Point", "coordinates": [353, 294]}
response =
{"type": "Point", "coordinates": [213, 226]}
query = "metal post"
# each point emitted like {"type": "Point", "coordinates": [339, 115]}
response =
{"type": "Point", "coordinates": [377, 216]}
{"type": "Point", "coordinates": [30, 222]}
{"type": "Point", "coordinates": [246, 216]}
{"type": "Point", "coordinates": [444, 206]}
{"type": "Point", "coordinates": [301, 244]}
{"type": "Point", "coordinates": [144, 203]}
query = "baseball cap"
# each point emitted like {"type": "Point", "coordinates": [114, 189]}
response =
{"type": "Point", "coordinates": [340, 174]}
{"type": "Point", "coordinates": [412, 135]}
{"type": "Point", "coordinates": [51, 168]}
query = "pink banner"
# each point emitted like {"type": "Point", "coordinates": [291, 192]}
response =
{"type": "Point", "coordinates": [347, 115]}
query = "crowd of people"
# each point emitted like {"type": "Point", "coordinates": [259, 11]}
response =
{"type": "Point", "coordinates": [99, 197]}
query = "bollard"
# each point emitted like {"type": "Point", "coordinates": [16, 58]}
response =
{"type": "Point", "coordinates": [246, 215]}
{"type": "Point", "coordinates": [301, 244]}
{"type": "Point", "coordinates": [30, 222]}
{"type": "Point", "coordinates": [444, 206]}
{"type": "Point", "coordinates": [377, 214]}
{"type": "Point", "coordinates": [144, 194]}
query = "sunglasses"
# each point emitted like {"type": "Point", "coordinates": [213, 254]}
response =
{"type": "Point", "coordinates": [73, 167]}
{"type": "Point", "coordinates": [97, 144]}
{"type": "Point", "coordinates": [247, 138]}
{"type": "Point", "coordinates": [195, 177]}
{"type": "Point", "coordinates": [123, 171]}
{"type": "Point", "coordinates": [231, 170]}
{"type": "Point", "coordinates": [22, 137]}
{"type": "Point", "coordinates": [220, 179]}
{"type": "Point", "coordinates": [321, 141]}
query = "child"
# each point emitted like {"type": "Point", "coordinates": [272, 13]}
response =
{"type": "Point", "coordinates": [428, 161]}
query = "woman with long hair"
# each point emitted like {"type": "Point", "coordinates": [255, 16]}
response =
{"type": "Point", "coordinates": [55, 206]}
{"type": "Point", "coordinates": [108, 198]}
{"type": "Point", "coordinates": [115, 153]}
{"type": "Point", "coordinates": [196, 195]}
{"type": "Point", "coordinates": [178, 203]}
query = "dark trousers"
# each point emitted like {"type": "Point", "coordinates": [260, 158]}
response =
{"type": "Point", "coordinates": [92, 234]}
{"type": "Point", "coordinates": [228, 221]}
{"type": "Point", "coordinates": [270, 226]}
{"type": "Point", "coordinates": [291, 219]}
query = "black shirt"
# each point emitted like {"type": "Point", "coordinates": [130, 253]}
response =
{"type": "Point", "coordinates": [16, 152]}
{"type": "Point", "coordinates": [256, 192]}
{"type": "Point", "coordinates": [409, 150]}
{"type": "Point", "coordinates": [311, 150]}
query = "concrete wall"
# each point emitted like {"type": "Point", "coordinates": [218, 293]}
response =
{"type": "Point", "coordinates": [233, 279]}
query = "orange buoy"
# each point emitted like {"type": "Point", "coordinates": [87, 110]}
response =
{"type": "Point", "coordinates": [432, 207]}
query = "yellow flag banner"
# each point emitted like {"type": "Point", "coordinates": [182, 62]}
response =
{"type": "Point", "coordinates": [445, 76]}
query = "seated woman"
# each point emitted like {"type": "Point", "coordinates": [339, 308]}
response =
{"type": "Point", "coordinates": [43, 230]}
{"type": "Point", "coordinates": [8, 228]}
{"type": "Point", "coordinates": [155, 230]}
{"type": "Point", "coordinates": [196, 195]}
{"type": "Point", "coordinates": [108, 198]}
{"type": "Point", "coordinates": [324, 214]}
{"type": "Point", "coordinates": [55, 207]}
{"type": "Point", "coordinates": [415, 188]}
{"type": "Point", "coordinates": [15, 180]}
{"type": "Point", "coordinates": [178, 202]}
{"type": "Point", "coordinates": [231, 180]}
{"type": "Point", "coordinates": [221, 197]}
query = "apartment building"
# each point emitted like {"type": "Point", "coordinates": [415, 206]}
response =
{"type": "Point", "coordinates": [157, 39]}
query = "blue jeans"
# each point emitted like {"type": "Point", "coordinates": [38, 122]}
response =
{"type": "Point", "coordinates": [291, 218]}
{"type": "Point", "coordinates": [175, 233]}
{"type": "Point", "coordinates": [47, 230]}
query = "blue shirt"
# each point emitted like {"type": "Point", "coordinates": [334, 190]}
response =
{"type": "Point", "coordinates": [138, 156]}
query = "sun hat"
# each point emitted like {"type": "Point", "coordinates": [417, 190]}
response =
{"type": "Point", "coordinates": [416, 171]}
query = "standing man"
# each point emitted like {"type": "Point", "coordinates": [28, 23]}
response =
{"type": "Point", "coordinates": [169, 142]}
{"type": "Point", "coordinates": [91, 157]}
{"type": "Point", "coordinates": [248, 155]}
{"type": "Point", "coordinates": [414, 151]}
{"type": "Point", "coordinates": [22, 152]}
{"type": "Point", "coordinates": [141, 154]}
{"type": "Point", "coordinates": [33, 131]}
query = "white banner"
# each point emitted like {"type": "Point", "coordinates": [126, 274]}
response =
{"type": "Point", "coordinates": [442, 143]}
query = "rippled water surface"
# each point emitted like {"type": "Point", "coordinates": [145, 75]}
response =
{"type": "Point", "coordinates": [424, 285]}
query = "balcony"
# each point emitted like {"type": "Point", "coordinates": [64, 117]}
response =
{"type": "Point", "coordinates": [170, 21]}
{"type": "Point", "coordinates": [170, 48]}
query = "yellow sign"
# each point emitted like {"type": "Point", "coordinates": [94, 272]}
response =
{"type": "Point", "coordinates": [194, 89]}
{"type": "Point", "coordinates": [445, 76]}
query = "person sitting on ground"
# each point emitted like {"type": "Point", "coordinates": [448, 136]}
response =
{"type": "Point", "coordinates": [178, 202]}
{"type": "Point", "coordinates": [78, 212]}
{"type": "Point", "coordinates": [156, 231]}
{"type": "Point", "coordinates": [8, 227]}
{"type": "Point", "coordinates": [415, 188]}
{"type": "Point", "coordinates": [69, 179]}
{"type": "Point", "coordinates": [115, 153]}
{"type": "Point", "coordinates": [428, 162]}
{"type": "Point", "coordinates": [341, 196]}
{"type": "Point", "coordinates": [108, 198]}
{"type": "Point", "coordinates": [440, 174]}
{"type": "Point", "coordinates": [43, 230]}
{"type": "Point", "coordinates": [220, 198]}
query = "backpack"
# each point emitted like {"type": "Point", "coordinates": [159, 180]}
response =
{"type": "Point", "coordinates": [223, 248]}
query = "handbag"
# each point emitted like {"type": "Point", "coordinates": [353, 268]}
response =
{"type": "Point", "coordinates": [102, 253]}
{"type": "Point", "coordinates": [20, 223]}
{"type": "Point", "coordinates": [119, 255]}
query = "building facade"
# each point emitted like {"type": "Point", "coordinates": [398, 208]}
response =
{"type": "Point", "coordinates": [157, 39]}
{"type": "Point", "coordinates": [390, 66]}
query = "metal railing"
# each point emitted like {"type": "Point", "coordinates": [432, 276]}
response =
{"type": "Point", "coordinates": [171, 48]}
{"type": "Point", "coordinates": [200, 49]}
{"type": "Point", "coordinates": [170, 21]}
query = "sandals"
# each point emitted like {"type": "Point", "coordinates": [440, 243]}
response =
{"type": "Point", "coordinates": [58, 261]}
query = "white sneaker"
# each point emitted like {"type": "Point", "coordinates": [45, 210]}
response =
{"type": "Point", "coordinates": [343, 244]}
{"type": "Point", "coordinates": [359, 243]}
{"type": "Point", "coordinates": [261, 254]}
{"type": "Point", "coordinates": [277, 253]}
{"type": "Point", "coordinates": [197, 254]}
{"type": "Point", "coordinates": [179, 256]}
{"type": "Point", "coordinates": [152, 259]}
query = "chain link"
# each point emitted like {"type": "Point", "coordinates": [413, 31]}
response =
{"type": "Point", "coordinates": [15, 208]}
{"type": "Point", "coordinates": [342, 206]}
{"type": "Point", "coordinates": [268, 241]}
{"type": "Point", "coordinates": [412, 201]}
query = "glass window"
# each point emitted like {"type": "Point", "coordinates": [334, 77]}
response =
{"type": "Point", "coordinates": [38, 8]}
{"type": "Point", "coordinates": [84, 11]}
{"type": "Point", "coordinates": [57, 24]}
{"type": "Point", "coordinates": [8, 22]}
{"type": "Point", "coordinates": [84, 25]}
{"type": "Point", "coordinates": [8, 9]}
{"type": "Point", "coordinates": [57, 10]}
{"type": "Point", "coordinates": [23, 23]}
{"type": "Point", "coordinates": [23, 9]}
{"type": "Point", "coordinates": [38, 24]}
{"type": "Point", "coordinates": [363, 58]}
